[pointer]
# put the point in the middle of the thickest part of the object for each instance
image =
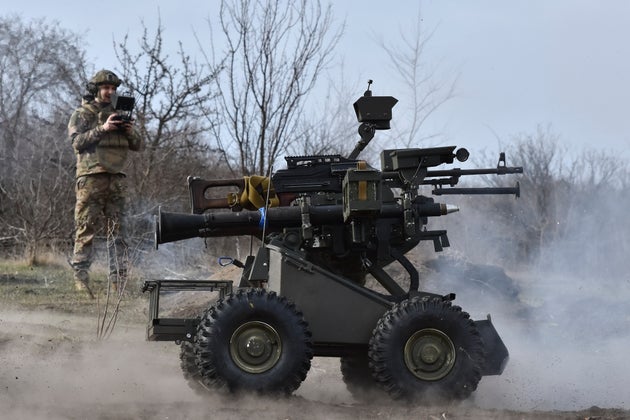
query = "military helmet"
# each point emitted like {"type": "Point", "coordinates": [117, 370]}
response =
{"type": "Point", "coordinates": [105, 77]}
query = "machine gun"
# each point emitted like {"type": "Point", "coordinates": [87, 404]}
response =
{"type": "Point", "coordinates": [401, 168]}
{"type": "Point", "coordinates": [325, 223]}
{"type": "Point", "coordinates": [307, 175]}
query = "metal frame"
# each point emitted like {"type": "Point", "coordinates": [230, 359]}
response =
{"type": "Point", "coordinates": [177, 329]}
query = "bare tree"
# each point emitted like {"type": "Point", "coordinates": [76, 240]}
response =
{"type": "Point", "coordinates": [35, 56]}
{"type": "Point", "coordinates": [41, 72]}
{"type": "Point", "coordinates": [427, 90]}
{"type": "Point", "coordinates": [173, 99]}
{"type": "Point", "coordinates": [275, 52]}
{"type": "Point", "coordinates": [329, 126]}
{"type": "Point", "coordinates": [597, 170]}
{"type": "Point", "coordinates": [543, 187]}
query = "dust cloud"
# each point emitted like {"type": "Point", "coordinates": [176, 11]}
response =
{"type": "Point", "coordinates": [568, 351]}
{"type": "Point", "coordinates": [53, 367]}
{"type": "Point", "coordinates": [565, 317]}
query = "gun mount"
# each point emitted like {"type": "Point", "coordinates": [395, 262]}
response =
{"type": "Point", "coordinates": [326, 222]}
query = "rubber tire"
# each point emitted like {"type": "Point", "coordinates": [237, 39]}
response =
{"type": "Point", "coordinates": [356, 374]}
{"type": "Point", "coordinates": [218, 369]}
{"type": "Point", "coordinates": [387, 347]}
{"type": "Point", "coordinates": [187, 361]}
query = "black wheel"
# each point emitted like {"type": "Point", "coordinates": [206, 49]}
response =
{"type": "Point", "coordinates": [189, 367]}
{"type": "Point", "coordinates": [254, 340]}
{"type": "Point", "coordinates": [357, 376]}
{"type": "Point", "coordinates": [426, 350]}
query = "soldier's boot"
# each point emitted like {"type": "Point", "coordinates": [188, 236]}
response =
{"type": "Point", "coordinates": [81, 282]}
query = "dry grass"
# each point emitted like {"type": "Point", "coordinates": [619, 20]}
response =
{"type": "Point", "coordinates": [50, 286]}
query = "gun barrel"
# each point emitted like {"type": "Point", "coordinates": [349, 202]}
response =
{"type": "Point", "coordinates": [170, 227]}
{"type": "Point", "coordinates": [516, 191]}
{"type": "Point", "coordinates": [500, 170]}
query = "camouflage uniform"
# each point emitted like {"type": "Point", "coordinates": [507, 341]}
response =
{"type": "Point", "coordinates": [100, 189]}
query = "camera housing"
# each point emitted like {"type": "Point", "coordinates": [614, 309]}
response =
{"type": "Point", "coordinates": [374, 110]}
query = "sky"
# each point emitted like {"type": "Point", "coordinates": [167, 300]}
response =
{"type": "Point", "coordinates": [563, 64]}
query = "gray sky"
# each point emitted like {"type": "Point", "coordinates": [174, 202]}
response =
{"type": "Point", "coordinates": [520, 63]}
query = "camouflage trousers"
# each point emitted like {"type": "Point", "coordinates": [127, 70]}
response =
{"type": "Point", "coordinates": [99, 211]}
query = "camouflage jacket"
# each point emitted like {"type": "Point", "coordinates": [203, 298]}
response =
{"type": "Point", "coordinates": [99, 151]}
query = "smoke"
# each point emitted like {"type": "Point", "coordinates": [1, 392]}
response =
{"type": "Point", "coordinates": [564, 316]}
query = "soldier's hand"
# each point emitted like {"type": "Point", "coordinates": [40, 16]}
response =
{"type": "Point", "coordinates": [127, 126]}
{"type": "Point", "coordinates": [112, 123]}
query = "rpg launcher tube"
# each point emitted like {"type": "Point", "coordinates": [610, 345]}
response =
{"type": "Point", "coordinates": [172, 227]}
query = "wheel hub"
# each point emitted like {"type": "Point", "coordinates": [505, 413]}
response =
{"type": "Point", "coordinates": [429, 354]}
{"type": "Point", "coordinates": [255, 347]}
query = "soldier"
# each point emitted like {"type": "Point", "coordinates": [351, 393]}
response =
{"type": "Point", "coordinates": [101, 141]}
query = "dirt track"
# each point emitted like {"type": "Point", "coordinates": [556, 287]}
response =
{"type": "Point", "coordinates": [52, 367]}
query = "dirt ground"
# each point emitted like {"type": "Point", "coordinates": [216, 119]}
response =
{"type": "Point", "coordinates": [52, 366]}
